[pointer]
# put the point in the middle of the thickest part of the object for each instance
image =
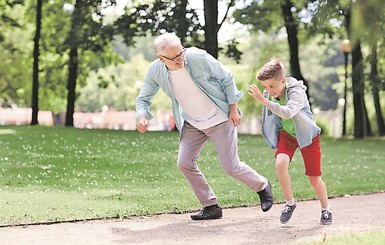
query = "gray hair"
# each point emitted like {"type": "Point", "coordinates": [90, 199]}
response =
{"type": "Point", "coordinates": [166, 40]}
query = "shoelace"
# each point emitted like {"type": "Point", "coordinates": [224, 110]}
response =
{"type": "Point", "coordinates": [286, 209]}
{"type": "Point", "coordinates": [325, 214]}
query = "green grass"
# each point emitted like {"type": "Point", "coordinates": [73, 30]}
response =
{"type": "Point", "coordinates": [351, 238]}
{"type": "Point", "coordinates": [50, 174]}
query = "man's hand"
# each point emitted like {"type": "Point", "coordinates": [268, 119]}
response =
{"type": "Point", "coordinates": [234, 116]}
{"type": "Point", "coordinates": [142, 124]}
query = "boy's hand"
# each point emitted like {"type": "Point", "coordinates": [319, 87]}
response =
{"type": "Point", "coordinates": [142, 124]}
{"type": "Point", "coordinates": [256, 93]}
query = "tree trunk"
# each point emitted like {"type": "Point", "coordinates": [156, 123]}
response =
{"type": "Point", "coordinates": [347, 16]}
{"type": "Point", "coordinates": [367, 126]}
{"type": "Point", "coordinates": [183, 22]}
{"type": "Point", "coordinates": [358, 91]}
{"type": "Point", "coordinates": [71, 86]}
{"type": "Point", "coordinates": [211, 27]}
{"type": "Point", "coordinates": [292, 38]}
{"type": "Point", "coordinates": [35, 76]}
{"type": "Point", "coordinates": [346, 56]}
{"type": "Point", "coordinates": [375, 91]}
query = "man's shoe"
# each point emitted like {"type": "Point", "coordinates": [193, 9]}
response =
{"type": "Point", "coordinates": [266, 197]}
{"type": "Point", "coordinates": [326, 217]}
{"type": "Point", "coordinates": [209, 212]}
{"type": "Point", "coordinates": [286, 213]}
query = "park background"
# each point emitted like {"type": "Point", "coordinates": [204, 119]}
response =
{"type": "Point", "coordinates": [67, 65]}
{"type": "Point", "coordinates": [82, 64]}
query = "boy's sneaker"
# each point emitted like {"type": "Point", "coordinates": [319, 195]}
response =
{"type": "Point", "coordinates": [286, 213]}
{"type": "Point", "coordinates": [326, 217]}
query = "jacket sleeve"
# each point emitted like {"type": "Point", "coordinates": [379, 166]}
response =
{"type": "Point", "coordinates": [144, 99]}
{"type": "Point", "coordinates": [295, 102]}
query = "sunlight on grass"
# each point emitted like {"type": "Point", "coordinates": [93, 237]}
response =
{"type": "Point", "coordinates": [7, 131]}
{"type": "Point", "coordinates": [356, 238]}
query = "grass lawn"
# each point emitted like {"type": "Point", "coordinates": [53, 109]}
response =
{"type": "Point", "coordinates": [351, 238]}
{"type": "Point", "coordinates": [50, 174]}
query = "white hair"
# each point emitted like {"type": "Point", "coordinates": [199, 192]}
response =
{"type": "Point", "coordinates": [165, 40]}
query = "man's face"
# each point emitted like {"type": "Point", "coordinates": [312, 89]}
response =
{"type": "Point", "coordinates": [275, 87]}
{"type": "Point", "coordinates": [173, 57]}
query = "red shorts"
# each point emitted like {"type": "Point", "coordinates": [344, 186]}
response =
{"type": "Point", "coordinates": [311, 154]}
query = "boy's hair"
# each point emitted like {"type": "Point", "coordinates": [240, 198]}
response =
{"type": "Point", "coordinates": [165, 40]}
{"type": "Point", "coordinates": [272, 69]}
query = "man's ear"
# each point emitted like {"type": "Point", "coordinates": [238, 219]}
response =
{"type": "Point", "coordinates": [161, 58]}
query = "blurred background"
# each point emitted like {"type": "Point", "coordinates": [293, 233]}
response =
{"type": "Point", "coordinates": [81, 63]}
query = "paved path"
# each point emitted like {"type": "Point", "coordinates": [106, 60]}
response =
{"type": "Point", "coordinates": [238, 226]}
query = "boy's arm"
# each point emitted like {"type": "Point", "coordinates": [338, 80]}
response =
{"type": "Point", "coordinates": [257, 95]}
{"type": "Point", "coordinates": [294, 104]}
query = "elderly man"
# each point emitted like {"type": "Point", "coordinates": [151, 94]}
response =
{"type": "Point", "coordinates": [204, 101]}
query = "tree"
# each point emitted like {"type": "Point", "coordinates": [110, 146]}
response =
{"type": "Point", "coordinates": [369, 18]}
{"type": "Point", "coordinates": [272, 15]}
{"type": "Point", "coordinates": [14, 37]}
{"type": "Point", "coordinates": [362, 126]}
{"type": "Point", "coordinates": [112, 87]}
{"type": "Point", "coordinates": [36, 52]}
{"type": "Point", "coordinates": [291, 25]}
{"type": "Point", "coordinates": [180, 18]}
{"type": "Point", "coordinates": [212, 26]}
{"type": "Point", "coordinates": [53, 60]}
{"type": "Point", "coordinates": [360, 123]}
{"type": "Point", "coordinates": [374, 77]}
{"type": "Point", "coordinates": [183, 23]}
{"type": "Point", "coordinates": [85, 34]}
{"type": "Point", "coordinates": [359, 19]}
{"type": "Point", "coordinates": [159, 17]}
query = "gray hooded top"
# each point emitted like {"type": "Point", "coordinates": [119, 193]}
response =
{"type": "Point", "coordinates": [297, 107]}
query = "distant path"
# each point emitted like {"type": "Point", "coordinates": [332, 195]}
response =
{"type": "Point", "coordinates": [238, 226]}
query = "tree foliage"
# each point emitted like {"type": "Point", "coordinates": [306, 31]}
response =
{"type": "Point", "coordinates": [76, 46]}
{"type": "Point", "coordinates": [14, 41]}
{"type": "Point", "coordinates": [276, 15]}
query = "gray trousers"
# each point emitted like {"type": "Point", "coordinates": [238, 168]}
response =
{"type": "Point", "coordinates": [224, 137]}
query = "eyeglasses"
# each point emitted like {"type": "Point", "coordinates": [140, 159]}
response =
{"type": "Point", "coordinates": [176, 58]}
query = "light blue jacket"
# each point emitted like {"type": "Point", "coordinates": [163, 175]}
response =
{"type": "Point", "coordinates": [297, 107]}
{"type": "Point", "coordinates": [207, 72]}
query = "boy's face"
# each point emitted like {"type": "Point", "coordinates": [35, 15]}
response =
{"type": "Point", "coordinates": [173, 57]}
{"type": "Point", "coordinates": [275, 87]}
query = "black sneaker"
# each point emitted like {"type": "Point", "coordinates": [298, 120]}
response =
{"type": "Point", "coordinates": [266, 197]}
{"type": "Point", "coordinates": [326, 217]}
{"type": "Point", "coordinates": [286, 213]}
{"type": "Point", "coordinates": [209, 212]}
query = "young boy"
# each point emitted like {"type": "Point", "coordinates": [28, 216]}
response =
{"type": "Point", "coordinates": [288, 124]}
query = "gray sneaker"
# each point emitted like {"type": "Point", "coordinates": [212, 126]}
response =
{"type": "Point", "coordinates": [326, 217]}
{"type": "Point", "coordinates": [286, 213]}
